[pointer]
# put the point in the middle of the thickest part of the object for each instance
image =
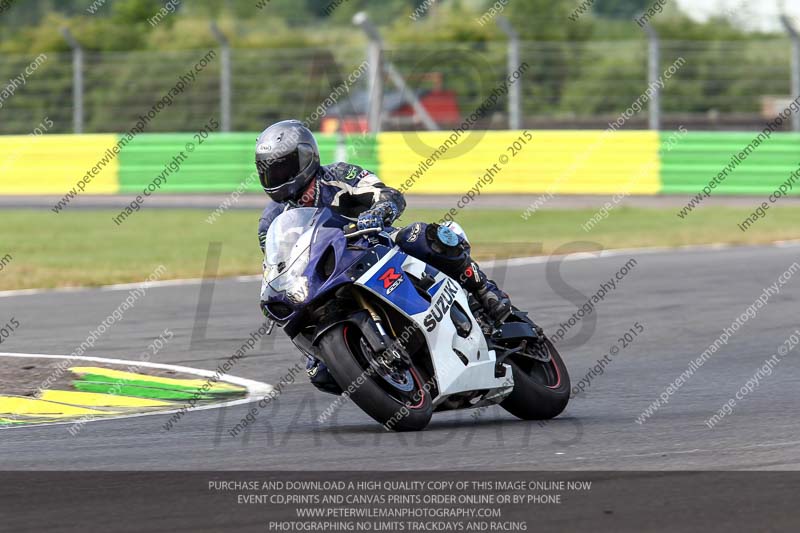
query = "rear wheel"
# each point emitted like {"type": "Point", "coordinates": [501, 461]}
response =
{"type": "Point", "coordinates": [541, 389]}
{"type": "Point", "coordinates": [396, 398]}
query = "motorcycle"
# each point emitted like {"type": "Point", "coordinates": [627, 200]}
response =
{"type": "Point", "coordinates": [400, 338]}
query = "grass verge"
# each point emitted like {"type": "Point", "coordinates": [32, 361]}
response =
{"type": "Point", "coordinates": [84, 247]}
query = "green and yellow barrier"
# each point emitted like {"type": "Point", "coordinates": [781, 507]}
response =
{"type": "Point", "coordinates": [52, 164]}
{"type": "Point", "coordinates": [689, 163]}
{"type": "Point", "coordinates": [562, 162]}
{"type": "Point", "coordinates": [220, 164]}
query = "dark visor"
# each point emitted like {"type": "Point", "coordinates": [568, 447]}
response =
{"type": "Point", "coordinates": [282, 170]}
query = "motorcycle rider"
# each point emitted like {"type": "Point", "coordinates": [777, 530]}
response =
{"type": "Point", "coordinates": [288, 164]}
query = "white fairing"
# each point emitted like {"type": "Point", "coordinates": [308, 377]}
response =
{"type": "Point", "coordinates": [452, 375]}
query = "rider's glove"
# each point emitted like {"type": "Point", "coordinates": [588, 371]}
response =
{"type": "Point", "coordinates": [378, 216]}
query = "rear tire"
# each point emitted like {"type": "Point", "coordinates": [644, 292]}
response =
{"type": "Point", "coordinates": [392, 408]}
{"type": "Point", "coordinates": [539, 393]}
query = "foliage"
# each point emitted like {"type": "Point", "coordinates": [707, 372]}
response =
{"type": "Point", "coordinates": [622, 9]}
{"type": "Point", "coordinates": [122, 24]}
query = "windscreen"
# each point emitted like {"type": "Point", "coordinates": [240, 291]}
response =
{"type": "Point", "coordinates": [288, 240]}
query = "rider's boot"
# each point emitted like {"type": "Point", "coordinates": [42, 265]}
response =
{"type": "Point", "coordinates": [321, 377]}
{"type": "Point", "coordinates": [494, 301]}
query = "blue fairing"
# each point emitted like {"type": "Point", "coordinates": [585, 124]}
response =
{"type": "Point", "coordinates": [328, 238]}
{"type": "Point", "coordinates": [400, 290]}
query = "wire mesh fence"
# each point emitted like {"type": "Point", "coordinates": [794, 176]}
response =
{"type": "Point", "coordinates": [718, 85]}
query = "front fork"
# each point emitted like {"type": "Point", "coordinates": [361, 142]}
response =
{"type": "Point", "coordinates": [389, 351]}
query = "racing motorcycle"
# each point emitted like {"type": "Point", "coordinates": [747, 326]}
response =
{"type": "Point", "coordinates": [400, 338]}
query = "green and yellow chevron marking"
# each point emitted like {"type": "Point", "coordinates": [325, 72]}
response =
{"type": "Point", "coordinates": [101, 401]}
{"type": "Point", "coordinates": [34, 407]}
{"type": "Point", "coordinates": [106, 381]}
{"type": "Point", "coordinates": [147, 380]}
{"type": "Point", "coordinates": [102, 392]}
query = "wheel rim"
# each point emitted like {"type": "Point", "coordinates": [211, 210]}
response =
{"type": "Point", "coordinates": [403, 386]}
{"type": "Point", "coordinates": [399, 379]}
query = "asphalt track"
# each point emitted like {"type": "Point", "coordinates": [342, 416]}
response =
{"type": "Point", "coordinates": [683, 298]}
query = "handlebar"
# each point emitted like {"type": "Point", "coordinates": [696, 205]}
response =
{"type": "Point", "coordinates": [351, 230]}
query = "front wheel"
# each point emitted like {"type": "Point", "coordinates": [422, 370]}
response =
{"type": "Point", "coordinates": [399, 400]}
{"type": "Point", "coordinates": [541, 389]}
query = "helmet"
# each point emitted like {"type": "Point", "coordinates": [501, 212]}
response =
{"type": "Point", "coordinates": [287, 159]}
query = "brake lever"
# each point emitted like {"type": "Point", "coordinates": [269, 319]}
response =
{"type": "Point", "coordinates": [351, 230]}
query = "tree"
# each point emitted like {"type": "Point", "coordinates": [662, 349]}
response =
{"type": "Point", "coordinates": [621, 9]}
{"type": "Point", "coordinates": [135, 11]}
{"type": "Point", "coordinates": [545, 20]}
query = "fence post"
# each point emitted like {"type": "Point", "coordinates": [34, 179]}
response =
{"type": "Point", "coordinates": [653, 75]}
{"type": "Point", "coordinates": [795, 37]}
{"type": "Point", "coordinates": [375, 60]}
{"type": "Point", "coordinates": [515, 91]}
{"type": "Point", "coordinates": [77, 80]}
{"type": "Point", "coordinates": [224, 77]}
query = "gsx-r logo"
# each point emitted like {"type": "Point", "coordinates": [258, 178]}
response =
{"type": "Point", "coordinates": [391, 280]}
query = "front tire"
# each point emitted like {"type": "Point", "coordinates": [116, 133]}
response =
{"type": "Point", "coordinates": [541, 390]}
{"type": "Point", "coordinates": [394, 408]}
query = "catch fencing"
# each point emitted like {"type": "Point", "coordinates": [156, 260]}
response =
{"type": "Point", "coordinates": [732, 85]}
